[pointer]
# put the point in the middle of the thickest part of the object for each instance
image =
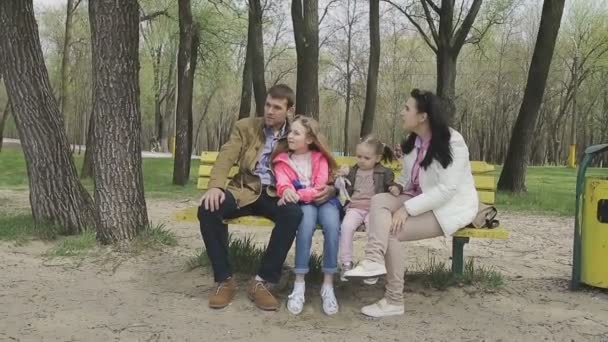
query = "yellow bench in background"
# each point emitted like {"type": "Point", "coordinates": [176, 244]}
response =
{"type": "Point", "coordinates": [484, 182]}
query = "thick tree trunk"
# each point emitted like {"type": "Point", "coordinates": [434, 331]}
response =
{"type": "Point", "coordinates": [306, 32]}
{"type": "Point", "coordinates": [3, 119]}
{"type": "Point", "coordinates": [186, 65]}
{"type": "Point", "coordinates": [245, 108]}
{"type": "Point", "coordinates": [119, 188]}
{"type": "Point", "coordinates": [369, 111]}
{"type": "Point", "coordinates": [513, 175]}
{"type": "Point", "coordinates": [446, 80]}
{"type": "Point", "coordinates": [257, 55]}
{"type": "Point", "coordinates": [56, 195]}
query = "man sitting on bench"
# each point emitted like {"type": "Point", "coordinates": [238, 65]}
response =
{"type": "Point", "coordinates": [251, 192]}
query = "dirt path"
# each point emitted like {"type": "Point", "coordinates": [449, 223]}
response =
{"type": "Point", "coordinates": [152, 297]}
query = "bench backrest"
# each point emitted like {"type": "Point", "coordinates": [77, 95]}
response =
{"type": "Point", "coordinates": [484, 182]}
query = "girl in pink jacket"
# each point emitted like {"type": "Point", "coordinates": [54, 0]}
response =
{"type": "Point", "coordinates": [300, 174]}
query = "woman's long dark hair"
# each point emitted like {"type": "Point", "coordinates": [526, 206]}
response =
{"type": "Point", "coordinates": [439, 148]}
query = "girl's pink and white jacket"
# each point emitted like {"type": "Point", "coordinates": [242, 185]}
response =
{"type": "Point", "coordinates": [288, 178]}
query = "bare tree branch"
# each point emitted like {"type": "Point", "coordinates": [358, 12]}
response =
{"type": "Point", "coordinates": [153, 15]}
{"type": "Point", "coordinates": [430, 21]}
{"type": "Point", "coordinates": [282, 74]}
{"type": "Point", "coordinates": [434, 6]}
{"type": "Point", "coordinates": [75, 7]}
{"type": "Point", "coordinates": [426, 38]}
{"type": "Point", "coordinates": [325, 11]}
{"type": "Point", "coordinates": [461, 34]}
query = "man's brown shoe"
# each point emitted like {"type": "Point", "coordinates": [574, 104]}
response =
{"type": "Point", "coordinates": [223, 294]}
{"type": "Point", "coordinates": [261, 296]}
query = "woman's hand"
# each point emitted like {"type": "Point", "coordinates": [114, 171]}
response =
{"type": "Point", "coordinates": [399, 218]}
{"type": "Point", "coordinates": [289, 196]}
{"type": "Point", "coordinates": [394, 190]}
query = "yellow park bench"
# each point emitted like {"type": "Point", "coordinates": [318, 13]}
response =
{"type": "Point", "coordinates": [484, 182]}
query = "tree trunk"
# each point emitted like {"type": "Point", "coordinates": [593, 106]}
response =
{"type": "Point", "coordinates": [446, 80]}
{"type": "Point", "coordinates": [119, 188]}
{"type": "Point", "coordinates": [3, 119]}
{"type": "Point", "coordinates": [255, 35]}
{"type": "Point", "coordinates": [87, 165]}
{"type": "Point", "coordinates": [56, 195]}
{"type": "Point", "coordinates": [513, 175]}
{"type": "Point", "coordinates": [245, 109]}
{"type": "Point", "coordinates": [367, 124]}
{"type": "Point", "coordinates": [306, 32]}
{"type": "Point", "coordinates": [158, 116]}
{"type": "Point", "coordinates": [186, 65]}
{"type": "Point", "coordinates": [170, 98]}
{"type": "Point", "coordinates": [65, 58]}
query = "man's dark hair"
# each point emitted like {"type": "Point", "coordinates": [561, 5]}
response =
{"type": "Point", "coordinates": [283, 91]}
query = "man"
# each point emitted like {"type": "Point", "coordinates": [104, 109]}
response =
{"type": "Point", "coordinates": [251, 192]}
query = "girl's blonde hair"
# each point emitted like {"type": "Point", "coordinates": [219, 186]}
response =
{"type": "Point", "coordinates": [313, 131]}
{"type": "Point", "coordinates": [380, 148]}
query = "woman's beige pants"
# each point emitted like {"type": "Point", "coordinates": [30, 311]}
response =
{"type": "Point", "coordinates": [388, 249]}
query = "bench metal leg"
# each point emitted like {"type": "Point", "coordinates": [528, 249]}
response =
{"type": "Point", "coordinates": [458, 254]}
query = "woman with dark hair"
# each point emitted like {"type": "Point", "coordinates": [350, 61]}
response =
{"type": "Point", "coordinates": [434, 196]}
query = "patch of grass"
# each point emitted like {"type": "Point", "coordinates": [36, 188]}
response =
{"type": "Point", "coordinates": [199, 260]}
{"type": "Point", "coordinates": [158, 175]}
{"type": "Point", "coordinates": [21, 227]}
{"type": "Point", "coordinates": [159, 235]}
{"type": "Point", "coordinates": [316, 267]}
{"type": "Point", "coordinates": [438, 275]}
{"type": "Point", "coordinates": [551, 190]}
{"type": "Point", "coordinates": [76, 245]}
{"type": "Point", "coordinates": [482, 276]}
{"type": "Point", "coordinates": [246, 256]}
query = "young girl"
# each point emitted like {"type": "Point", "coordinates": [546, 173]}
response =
{"type": "Point", "coordinates": [367, 178]}
{"type": "Point", "coordinates": [300, 174]}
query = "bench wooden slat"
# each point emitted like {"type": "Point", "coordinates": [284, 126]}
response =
{"type": "Point", "coordinates": [496, 233]}
{"type": "Point", "coordinates": [487, 197]}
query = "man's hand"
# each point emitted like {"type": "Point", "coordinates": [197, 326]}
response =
{"type": "Point", "coordinates": [394, 190]}
{"type": "Point", "coordinates": [289, 196]}
{"type": "Point", "coordinates": [326, 192]}
{"type": "Point", "coordinates": [212, 199]}
{"type": "Point", "coordinates": [399, 218]}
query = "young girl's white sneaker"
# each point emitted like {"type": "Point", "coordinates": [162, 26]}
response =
{"type": "Point", "coordinates": [295, 301]}
{"type": "Point", "coordinates": [330, 303]}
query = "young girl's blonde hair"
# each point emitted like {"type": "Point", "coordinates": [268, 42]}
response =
{"type": "Point", "coordinates": [380, 148]}
{"type": "Point", "coordinates": [313, 131]}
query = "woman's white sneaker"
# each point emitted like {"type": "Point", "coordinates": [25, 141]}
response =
{"type": "Point", "coordinates": [330, 303]}
{"type": "Point", "coordinates": [382, 309]}
{"type": "Point", "coordinates": [366, 269]}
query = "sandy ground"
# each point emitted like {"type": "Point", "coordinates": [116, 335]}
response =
{"type": "Point", "coordinates": [152, 297]}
